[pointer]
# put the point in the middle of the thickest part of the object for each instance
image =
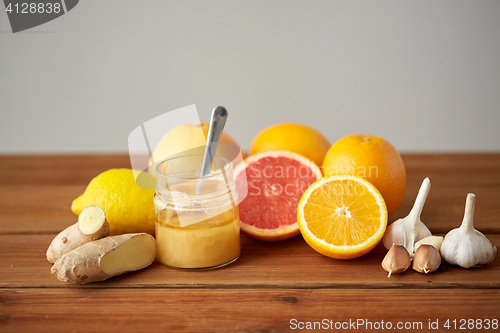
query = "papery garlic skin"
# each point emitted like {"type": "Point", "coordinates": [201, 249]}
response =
{"type": "Point", "coordinates": [397, 260]}
{"type": "Point", "coordinates": [426, 259]}
{"type": "Point", "coordinates": [466, 246]}
{"type": "Point", "coordinates": [467, 249]}
{"type": "Point", "coordinates": [407, 231]}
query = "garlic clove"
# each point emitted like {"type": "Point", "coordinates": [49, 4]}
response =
{"type": "Point", "coordinates": [408, 230]}
{"type": "Point", "coordinates": [426, 259]}
{"type": "Point", "coordinates": [397, 260]}
{"type": "Point", "coordinates": [435, 241]}
{"type": "Point", "coordinates": [466, 246]}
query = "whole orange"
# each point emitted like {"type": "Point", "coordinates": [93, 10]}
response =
{"type": "Point", "coordinates": [183, 138]}
{"type": "Point", "coordinates": [297, 138]}
{"type": "Point", "coordinates": [372, 158]}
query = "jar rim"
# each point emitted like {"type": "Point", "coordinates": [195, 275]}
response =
{"type": "Point", "coordinates": [166, 192]}
{"type": "Point", "coordinates": [215, 173]}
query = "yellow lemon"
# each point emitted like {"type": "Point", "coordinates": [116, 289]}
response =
{"type": "Point", "coordinates": [342, 216]}
{"type": "Point", "coordinates": [128, 207]}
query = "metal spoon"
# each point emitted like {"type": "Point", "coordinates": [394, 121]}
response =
{"type": "Point", "coordinates": [219, 116]}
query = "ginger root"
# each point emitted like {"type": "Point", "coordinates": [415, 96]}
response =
{"type": "Point", "coordinates": [104, 258]}
{"type": "Point", "coordinates": [91, 225]}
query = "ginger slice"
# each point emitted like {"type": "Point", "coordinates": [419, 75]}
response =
{"type": "Point", "coordinates": [91, 225]}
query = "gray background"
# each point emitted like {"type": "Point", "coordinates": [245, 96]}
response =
{"type": "Point", "coordinates": [423, 74]}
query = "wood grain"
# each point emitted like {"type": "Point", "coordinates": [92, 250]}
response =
{"type": "Point", "coordinates": [36, 191]}
{"type": "Point", "coordinates": [288, 264]}
{"type": "Point", "coordinates": [269, 285]}
{"type": "Point", "coordinates": [239, 310]}
{"type": "Point", "coordinates": [57, 169]}
{"type": "Point", "coordinates": [452, 177]}
{"type": "Point", "coordinates": [28, 209]}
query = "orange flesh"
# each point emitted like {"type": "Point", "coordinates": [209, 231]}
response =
{"type": "Point", "coordinates": [343, 213]}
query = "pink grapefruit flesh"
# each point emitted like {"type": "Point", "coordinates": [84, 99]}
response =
{"type": "Point", "coordinates": [276, 181]}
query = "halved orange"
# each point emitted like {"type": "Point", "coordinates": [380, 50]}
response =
{"type": "Point", "coordinates": [342, 216]}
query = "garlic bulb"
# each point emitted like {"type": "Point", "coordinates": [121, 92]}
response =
{"type": "Point", "coordinates": [408, 230]}
{"type": "Point", "coordinates": [465, 246]}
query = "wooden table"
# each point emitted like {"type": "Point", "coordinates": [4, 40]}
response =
{"type": "Point", "coordinates": [270, 286]}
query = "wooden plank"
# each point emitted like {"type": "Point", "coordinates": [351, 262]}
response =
{"type": "Point", "coordinates": [47, 208]}
{"type": "Point", "coordinates": [269, 285]}
{"type": "Point", "coordinates": [452, 177]}
{"type": "Point", "coordinates": [242, 310]}
{"type": "Point", "coordinates": [37, 209]}
{"type": "Point", "coordinates": [36, 192]}
{"type": "Point", "coordinates": [445, 206]}
{"type": "Point", "coordinates": [57, 169]}
{"type": "Point", "coordinates": [287, 264]}
{"type": "Point", "coordinates": [472, 168]}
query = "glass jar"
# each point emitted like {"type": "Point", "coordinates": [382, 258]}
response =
{"type": "Point", "coordinates": [197, 225]}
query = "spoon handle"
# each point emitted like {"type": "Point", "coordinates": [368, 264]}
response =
{"type": "Point", "coordinates": [219, 116]}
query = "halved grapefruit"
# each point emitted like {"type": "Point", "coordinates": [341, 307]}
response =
{"type": "Point", "coordinates": [276, 181]}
